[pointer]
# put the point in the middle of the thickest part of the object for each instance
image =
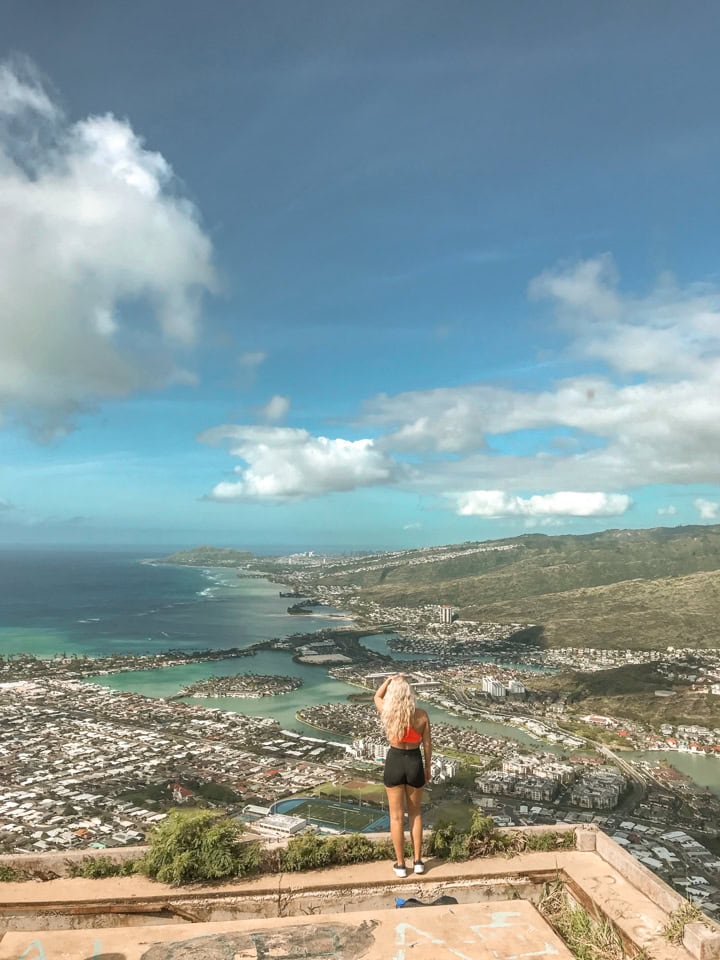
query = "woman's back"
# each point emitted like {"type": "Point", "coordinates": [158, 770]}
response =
{"type": "Point", "coordinates": [414, 732]}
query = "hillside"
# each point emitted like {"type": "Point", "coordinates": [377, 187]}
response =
{"type": "Point", "coordinates": [629, 692]}
{"type": "Point", "coordinates": [618, 588]}
{"type": "Point", "coordinates": [636, 614]}
{"type": "Point", "coordinates": [210, 557]}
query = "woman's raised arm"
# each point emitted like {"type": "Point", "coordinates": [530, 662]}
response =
{"type": "Point", "coordinates": [382, 690]}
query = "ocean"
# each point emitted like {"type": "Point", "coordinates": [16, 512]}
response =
{"type": "Point", "coordinates": [117, 602]}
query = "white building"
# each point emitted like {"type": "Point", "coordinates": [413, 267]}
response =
{"type": "Point", "coordinates": [279, 825]}
{"type": "Point", "coordinates": [444, 768]}
{"type": "Point", "coordinates": [446, 614]}
{"type": "Point", "coordinates": [494, 687]}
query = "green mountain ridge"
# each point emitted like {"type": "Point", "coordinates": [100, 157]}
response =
{"type": "Point", "coordinates": [647, 589]}
{"type": "Point", "coordinates": [618, 588]}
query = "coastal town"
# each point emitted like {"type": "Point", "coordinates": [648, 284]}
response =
{"type": "Point", "coordinates": [84, 765]}
{"type": "Point", "coordinates": [80, 764]}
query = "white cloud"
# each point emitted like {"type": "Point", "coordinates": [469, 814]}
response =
{"type": "Point", "coordinates": [276, 408]}
{"type": "Point", "coordinates": [102, 263]}
{"type": "Point", "coordinates": [497, 503]}
{"type": "Point", "coordinates": [708, 509]}
{"type": "Point", "coordinates": [252, 359]}
{"type": "Point", "coordinates": [669, 511]}
{"type": "Point", "coordinates": [669, 331]}
{"type": "Point", "coordinates": [412, 526]}
{"type": "Point", "coordinates": [646, 414]}
{"type": "Point", "coordinates": [662, 427]}
{"type": "Point", "coordinates": [21, 90]}
{"type": "Point", "coordinates": [282, 463]}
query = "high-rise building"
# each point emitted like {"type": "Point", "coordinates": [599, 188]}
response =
{"type": "Point", "coordinates": [446, 614]}
{"type": "Point", "coordinates": [494, 687]}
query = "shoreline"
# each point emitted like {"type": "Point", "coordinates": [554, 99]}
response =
{"type": "Point", "coordinates": [317, 726]}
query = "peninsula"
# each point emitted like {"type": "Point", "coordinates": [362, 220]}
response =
{"type": "Point", "coordinates": [251, 686]}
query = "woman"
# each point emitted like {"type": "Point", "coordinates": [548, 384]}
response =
{"type": "Point", "coordinates": [405, 775]}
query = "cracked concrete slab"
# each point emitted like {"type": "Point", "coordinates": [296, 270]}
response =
{"type": "Point", "coordinates": [509, 930]}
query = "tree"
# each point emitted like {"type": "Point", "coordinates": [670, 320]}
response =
{"type": "Point", "coordinates": [193, 846]}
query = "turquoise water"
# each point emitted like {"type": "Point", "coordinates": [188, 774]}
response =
{"type": "Point", "coordinates": [99, 603]}
{"type": "Point", "coordinates": [317, 688]}
{"type": "Point", "coordinates": [378, 643]}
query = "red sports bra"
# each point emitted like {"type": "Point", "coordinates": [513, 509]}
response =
{"type": "Point", "coordinates": [411, 736]}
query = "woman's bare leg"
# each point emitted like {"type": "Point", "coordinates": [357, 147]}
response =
{"type": "Point", "coordinates": [396, 806]}
{"type": "Point", "coordinates": [413, 799]}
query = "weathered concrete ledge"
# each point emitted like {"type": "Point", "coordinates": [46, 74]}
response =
{"type": "Point", "coordinates": [599, 874]}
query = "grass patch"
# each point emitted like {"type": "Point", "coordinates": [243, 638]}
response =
{"type": "Point", "coordinates": [483, 839]}
{"type": "Point", "coordinates": [310, 851]}
{"type": "Point", "coordinates": [343, 818]}
{"type": "Point", "coordinates": [585, 937]}
{"type": "Point", "coordinates": [550, 840]}
{"type": "Point", "coordinates": [370, 792]}
{"type": "Point", "coordinates": [98, 868]}
{"type": "Point", "coordinates": [674, 929]}
{"type": "Point", "coordinates": [9, 874]}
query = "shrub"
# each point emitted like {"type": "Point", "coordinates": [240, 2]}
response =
{"type": "Point", "coordinates": [448, 842]}
{"type": "Point", "coordinates": [9, 874]}
{"type": "Point", "coordinates": [196, 846]}
{"type": "Point", "coordinates": [309, 850]}
{"type": "Point", "coordinates": [483, 839]}
{"type": "Point", "coordinates": [550, 840]}
{"type": "Point", "coordinates": [674, 929]}
{"type": "Point", "coordinates": [98, 868]}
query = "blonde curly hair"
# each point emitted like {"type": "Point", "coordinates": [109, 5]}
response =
{"type": "Point", "coordinates": [398, 710]}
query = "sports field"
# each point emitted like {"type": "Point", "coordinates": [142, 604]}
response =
{"type": "Point", "coordinates": [353, 790]}
{"type": "Point", "coordinates": [339, 816]}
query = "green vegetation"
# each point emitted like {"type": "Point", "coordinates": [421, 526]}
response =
{"type": "Point", "coordinates": [310, 851]}
{"type": "Point", "coordinates": [9, 874]}
{"type": "Point", "coordinates": [549, 840]}
{"type": "Point", "coordinates": [617, 589]}
{"type": "Point", "coordinates": [198, 846]}
{"type": "Point", "coordinates": [343, 818]}
{"type": "Point", "coordinates": [585, 937]}
{"type": "Point", "coordinates": [98, 868]}
{"type": "Point", "coordinates": [629, 692]}
{"type": "Point", "coordinates": [201, 846]}
{"type": "Point", "coordinates": [674, 929]}
{"type": "Point", "coordinates": [210, 557]}
{"type": "Point", "coordinates": [368, 792]}
{"type": "Point", "coordinates": [483, 839]}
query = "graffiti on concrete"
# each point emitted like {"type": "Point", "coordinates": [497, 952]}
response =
{"type": "Point", "coordinates": [312, 941]}
{"type": "Point", "coordinates": [36, 951]}
{"type": "Point", "coordinates": [507, 929]}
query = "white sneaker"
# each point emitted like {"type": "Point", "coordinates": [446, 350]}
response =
{"type": "Point", "coordinates": [418, 866]}
{"type": "Point", "coordinates": [400, 869]}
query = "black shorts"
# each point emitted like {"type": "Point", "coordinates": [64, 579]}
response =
{"type": "Point", "coordinates": [404, 767]}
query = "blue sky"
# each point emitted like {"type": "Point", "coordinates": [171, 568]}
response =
{"type": "Point", "coordinates": [357, 275]}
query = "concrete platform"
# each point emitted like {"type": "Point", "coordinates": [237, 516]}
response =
{"type": "Point", "coordinates": [347, 913]}
{"type": "Point", "coordinates": [509, 930]}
